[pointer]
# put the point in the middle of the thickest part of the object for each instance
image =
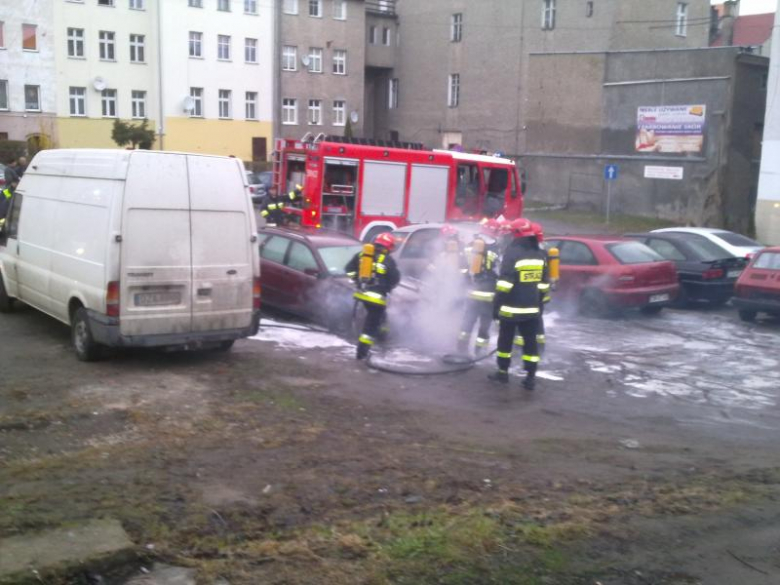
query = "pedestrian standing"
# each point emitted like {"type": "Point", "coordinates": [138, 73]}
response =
{"type": "Point", "coordinates": [11, 174]}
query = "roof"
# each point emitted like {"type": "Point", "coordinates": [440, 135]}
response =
{"type": "Point", "coordinates": [475, 157]}
{"type": "Point", "coordinates": [602, 239]}
{"type": "Point", "coordinates": [690, 230]}
{"type": "Point", "coordinates": [750, 31]}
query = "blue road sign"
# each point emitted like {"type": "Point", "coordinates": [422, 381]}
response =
{"type": "Point", "coordinates": [611, 172]}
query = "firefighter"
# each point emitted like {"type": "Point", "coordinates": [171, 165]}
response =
{"type": "Point", "coordinates": [274, 210]}
{"type": "Point", "coordinates": [482, 278]}
{"type": "Point", "coordinates": [375, 274]}
{"type": "Point", "coordinates": [517, 303]}
{"type": "Point", "coordinates": [5, 204]}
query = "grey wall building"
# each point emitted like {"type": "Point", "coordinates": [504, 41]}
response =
{"type": "Point", "coordinates": [588, 115]}
{"type": "Point", "coordinates": [463, 66]}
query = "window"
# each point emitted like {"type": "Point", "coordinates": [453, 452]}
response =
{"type": "Point", "coordinates": [682, 19]}
{"type": "Point", "coordinates": [736, 239]}
{"type": "Point", "coordinates": [373, 35]}
{"type": "Point", "coordinates": [315, 60]}
{"type": "Point", "coordinates": [578, 254]}
{"type": "Point", "coordinates": [251, 105]}
{"type": "Point", "coordinates": [250, 6]}
{"type": "Point", "coordinates": [196, 93]}
{"type": "Point", "coordinates": [666, 249]}
{"type": "Point", "coordinates": [223, 47]}
{"type": "Point", "coordinates": [629, 253]}
{"type": "Point", "coordinates": [3, 94]}
{"type": "Point", "coordinates": [29, 37]}
{"type": "Point", "coordinates": [290, 7]}
{"type": "Point", "coordinates": [456, 29]}
{"type": "Point", "coordinates": [392, 94]}
{"type": "Point", "coordinates": [106, 45]}
{"type": "Point", "coordinates": [289, 111]}
{"type": "Point", "coordinates": [548, 15]}
{"type": "Point", "coordinates": [300, 258]}
{"type": "Point", "coordinates": [195, 3]}
{"type": "Point", "coordinates": [138, 99]}
{"type": "Point", "coordinates": [78, 101]}
{"type": "Point", "coordinates": [274, 249]}
{"type": "Point", "coordinates": [224, 103]}
{"type": "Point", "coordinates": [105, 2]}
{"type": "Point", "coordinates": [76, 42]}
{"type": "Point", "coordinates": [339, 62]}
{"type": "Point", "coordinates": [768, 261]}
{"type": "Point", "coordinates": [250, 50]}
{"type": "Point", "coordinates": [136, 4]}
{"type": "Point", "coordinates": [315, 112]}
{"type": "Point", "coordinates": [108, 101]}
{"type": "Point", "coordinates": [340, 9]}
{"type": "Point", "coordinates": [137, 48]}
{"type": "Point", "coordinates": [223, 5]}
{"type": "Point", "coordinates": [196, 44]}
{"type": "Point", "coordinates": [386, 36]}
{"type": "Point", "coordinates": [589, 8]}
{"type": "Point", "coordinates": [315, 8]}
{"type": "Point", "coordinates": [453, 91]}
{"type": "Point", "coordinates": [467, 188]}
{"type": "Point", "coordinates": [339, 113]}
{"type": "Point", "coordinates": [32, 98]}
{"type": "Point", "coordinates": [289, 58]}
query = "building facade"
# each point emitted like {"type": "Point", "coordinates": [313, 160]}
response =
{"type": "Point", "coordinates": [463, 66]}
{"type": "Point", "coordinates": [27, 73]}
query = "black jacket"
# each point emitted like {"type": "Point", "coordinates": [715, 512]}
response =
{"type": "Point", "coordinates": [517, 290]}
{"type": "Point", "coordinates": [386, 275]}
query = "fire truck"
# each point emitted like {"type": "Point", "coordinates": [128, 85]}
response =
{"type": "Point", "coordinates": [363, 187]}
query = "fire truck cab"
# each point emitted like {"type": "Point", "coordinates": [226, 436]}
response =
{"type": "Point", "coordinates": [366, 188]}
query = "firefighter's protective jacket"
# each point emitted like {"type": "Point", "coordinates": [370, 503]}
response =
{"type": "Point", "coordinates": [517, 290]}
{"type": "Point", "coordinates": [385, 276]}
{"type": "Point", "coordinates": [482, 284]}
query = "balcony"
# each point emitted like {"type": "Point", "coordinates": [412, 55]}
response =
{"type": "Point", "coordinates": [381, 7]}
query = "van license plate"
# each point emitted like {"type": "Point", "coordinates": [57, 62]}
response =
{"type": "Point", "coordinates": [733, 273]}
{"type": "Point", "coordinates": [157, 299]}
{"type": "Point", "coordinates": [659, 298]}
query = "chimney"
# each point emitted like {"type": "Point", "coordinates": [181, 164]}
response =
{"type": "Point", "coordinates": [730, 13]}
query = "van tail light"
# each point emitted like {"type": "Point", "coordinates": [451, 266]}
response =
{"type": "Point", "coordinates": [112, 299]}
{"type": "Point", "coordinates": [256, 290]}
{"type": "Point", "coordinates": [713, 273]}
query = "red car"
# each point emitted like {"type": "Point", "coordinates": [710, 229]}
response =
{"type": "Point", "coordinates": [758, 288]}
{"type": "Point", "coordinates": [604, 274]}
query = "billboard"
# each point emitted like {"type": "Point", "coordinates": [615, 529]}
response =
{"type": "Point", "coordinates": [671, 129]}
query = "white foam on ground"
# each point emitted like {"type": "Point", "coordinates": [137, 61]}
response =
{"type": "Point", "coordinates": [299, 339]}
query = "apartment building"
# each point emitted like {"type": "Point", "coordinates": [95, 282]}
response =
{"type": "Point", "coordinates": [462, 66]}
{"type": "Point", "coordinates": [27, 81]}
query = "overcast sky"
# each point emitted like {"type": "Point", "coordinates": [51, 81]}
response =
{"type": "Point", "coordinates": [754, 6]}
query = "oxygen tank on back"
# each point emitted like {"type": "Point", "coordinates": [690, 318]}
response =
{"type": "Point", "coordinates": [366, 267]}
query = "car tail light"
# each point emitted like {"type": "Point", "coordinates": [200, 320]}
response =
{"type": "Point", "coordinates": [256, 290]}
{"type": "Point", "coordinates": [112, 299]}
{"type": "Point", "coordinates": [713, 273]}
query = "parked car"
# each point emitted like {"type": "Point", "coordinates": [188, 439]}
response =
{"type": "Point", "coordinates": [735, 244]}
{"type": "Point", "coordinates": [707, 272]}
{"type": "Point", "coordinates": [265, 178]}
{"type": "Point", "coordinates": [257, 188]}
{"type": "Point", "coordinates": [602, 275]}
{"type": "Point", "coordinates": [758, 288]}
{"type": "Point", "coordinates": [303, 273]}
{"type": "Point", "coordinates": [134, 249]}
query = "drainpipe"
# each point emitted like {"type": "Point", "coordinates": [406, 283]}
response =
{"type": "Point", "coordinates": [160, 75]}
{"type": "Point", "coordinates": [277, 74]}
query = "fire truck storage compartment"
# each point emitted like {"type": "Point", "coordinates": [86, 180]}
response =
{"type": "Point", "coordinates": [296, 171]}
{"type": "Point", "coordinates": [339, 190]}
{"type": "Point", "coordinates": [384, 184]}
{"type": "Point", "coordinates": [428, 194]}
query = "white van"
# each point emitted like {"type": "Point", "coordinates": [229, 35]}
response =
{"type": "Point", "coordinates": [134, 248]}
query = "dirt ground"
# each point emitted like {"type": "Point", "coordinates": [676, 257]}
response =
{"type": "Point", "coordinates": [647, 455]}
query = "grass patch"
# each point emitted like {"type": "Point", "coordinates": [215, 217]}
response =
{"type": "Point", "coordinates": [617, 224]}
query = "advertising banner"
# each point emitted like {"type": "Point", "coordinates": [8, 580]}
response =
{"type": "Point", "coordinates": [671, 129]}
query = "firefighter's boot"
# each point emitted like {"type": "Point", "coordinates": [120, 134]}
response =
{"type": "Point", "coordinates": [530, 382]}
{"type": "Point", "coordinates": [499, 376]}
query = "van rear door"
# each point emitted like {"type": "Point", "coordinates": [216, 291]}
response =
{"type": "Point", "coordinates": [222, 250]}
{"type": "Point", "coordinates": [156, 252]}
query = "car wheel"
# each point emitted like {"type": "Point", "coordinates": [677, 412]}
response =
{"type": "Point", "coordinates": [594, 303]}
{"type": "Point", "coordinates": [81, 335]}
{"type": "Point", "coordinates": [651, 310]}
{"type": "Point", "coordinates": [747, 315]}
{"type": "Point", "coordinates": [6, 302]}
{"type": "Point", "coordinates": [719, 302]}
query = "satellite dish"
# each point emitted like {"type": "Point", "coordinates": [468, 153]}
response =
{"type": "Point", "coordinates": [305, 60]}
{"type": "Point", "coordinates": [188, 104]}
{"type": "Point", "coordinates": [354, 116]}
{"type": "Point", "coordinates": [99, 84]}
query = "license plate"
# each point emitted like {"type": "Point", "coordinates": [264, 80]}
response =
{"type": "Point", "coordinates": [157, 299]}
{"type": "Point", "coordinates": [659, 298]}
{"type": "Point", "coordinates": [733, 273]}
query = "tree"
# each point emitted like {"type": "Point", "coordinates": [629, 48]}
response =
{"type": "Point", "coordinates": [348, 129]}
{"type": "Point", "coordinates": [135, 135]}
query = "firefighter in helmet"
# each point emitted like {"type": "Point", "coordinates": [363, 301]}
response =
{"type": "Point", "coordinates": [482, 276]}
{"type": "Point", "coordinates": [517, 303]}
{"type": "Point", "coordinates": [274, 210]}
{"type": "Point", "coordinates": [375, 274]}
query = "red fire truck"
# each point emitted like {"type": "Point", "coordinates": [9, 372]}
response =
{"type": "Point", "coordinates": [365, 187]}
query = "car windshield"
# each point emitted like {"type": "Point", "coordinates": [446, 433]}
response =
{"type": "Point", "coordinates": [705, 250]}
{"type": "Point", "coordinates": [736, 239]}
{"type": "Point", "coordinates": [768, 261]}
{"type": "Point", "coordinates": [336, 257]}
{"type": "Point", "coordinates": [633, 253]}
